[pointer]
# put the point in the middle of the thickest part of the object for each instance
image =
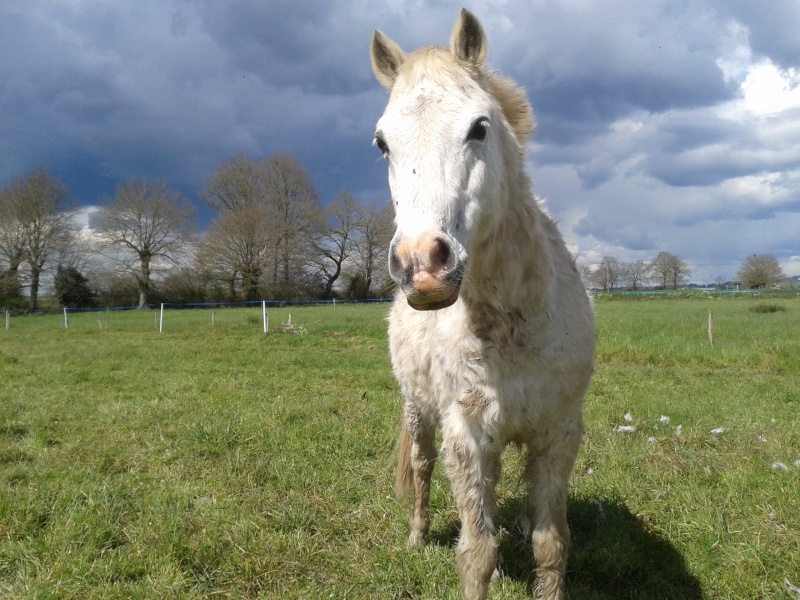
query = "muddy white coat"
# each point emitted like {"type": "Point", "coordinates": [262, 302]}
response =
{"type": "Point", "coordinates": [491, 334]}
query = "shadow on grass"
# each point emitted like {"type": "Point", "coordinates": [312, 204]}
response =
{"type": "Point", "coordinates": [613, 555]}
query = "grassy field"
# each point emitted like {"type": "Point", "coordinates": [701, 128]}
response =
{"type": "Point", "coordinates": [218, 462]}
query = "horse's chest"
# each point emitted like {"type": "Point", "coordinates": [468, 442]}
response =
{"type": "Point", "coordinates": [476, 366]}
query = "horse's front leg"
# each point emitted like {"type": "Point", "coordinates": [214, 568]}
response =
{"type": "Point", "coordinates": [547, 474]}
{"type": "Point", "coordinates": [418, 452]}
{"type": "Point", "coordinates": [472, 459]}
{"type": "Point", "coordinates": [423, 458]}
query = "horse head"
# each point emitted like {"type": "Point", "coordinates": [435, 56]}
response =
{"type": "Point", "coordinates": [448, 133]}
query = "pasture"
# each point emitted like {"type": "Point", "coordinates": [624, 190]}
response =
{"type": "Point", "coordinates": [219, 462]}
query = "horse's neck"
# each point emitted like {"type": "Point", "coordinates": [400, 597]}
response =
{"type": "Point", "coordinates": [513, 267]}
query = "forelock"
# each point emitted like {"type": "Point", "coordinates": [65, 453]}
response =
{"type": "Point", "coordinates": [437, 65]}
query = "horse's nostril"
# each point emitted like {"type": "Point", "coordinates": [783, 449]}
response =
{"type": "Point", "coordinates": [441, 254]}
{"type": "Point", "coordinates": [427, 257]}
{"type": "Point", "coordinates": [395, 264]}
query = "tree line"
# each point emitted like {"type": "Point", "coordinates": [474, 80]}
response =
{"type": "Point", "coordinates": [668, 271]}
{"type": "Point", "coordinates": [270, 237]}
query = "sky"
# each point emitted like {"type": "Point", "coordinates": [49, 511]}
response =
{"type": "Point", "coordinates": [667, 125]}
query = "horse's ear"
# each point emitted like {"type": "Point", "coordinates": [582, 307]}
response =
{"type": "Point", "coordinates": [386, 57]}
{"type": "Point", "coordinates": [468, 40]}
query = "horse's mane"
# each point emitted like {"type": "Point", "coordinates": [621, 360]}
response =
{"type": "Point", "coordinates": [514, 103]}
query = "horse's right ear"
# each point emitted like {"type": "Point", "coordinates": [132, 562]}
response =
{"type": "Point", "coordinates": [386, 57]}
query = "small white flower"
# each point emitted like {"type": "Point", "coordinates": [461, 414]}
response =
{"type": "Point", "coordinates": [718, 430]}
{"type": "Point", "coordinates": [624, 428]}
{"type": "Point", "coordinates": [797, 463]}
{"type": "Point", "coordinates": [590, 471]}
{"type": "Point", "coordinates": [779, 466]}
{"type": "Point", "coordinates": [628, 417]}
{"type": "Point", "coordinates": [664, 419]}
{"type": "Point", "coordinates": [601, 512]}
{"type": "Point", "coordinates": [791, 587]}
{"type": "Point", "coordinates": [651, 439]}
{"type": "Point", "coordinates": [762, 439]}
{"type": "Point", "coordinates": [679, 430]}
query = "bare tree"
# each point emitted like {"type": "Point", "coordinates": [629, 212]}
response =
{"type": "Point", "coordinates": [282, 201]}
{"type": "Point", "coordinates": [235, 249]}
{"type": "Point", "coordinates": [146, 225]}
{"type": "Point", "coordinates": [334, 241]}
{"type": "Point", "coordinates": [635, 273]}
{"type": "Point", "coordinates": [35, 225]}
{"type": "Point", "coordinates": [608, 274]}
{"type": "Point", "coordinates": [235, 185]}
{"type": "Point", "coordinates": [760, 271]}
{"type": "Point", "coordinates": [10, 246]}
{"type": "Point", "coordinates": [10, 254]}
{"type": "Point", "coordinates": [280, 215]}
{"type": "Point", "coordinates": [374, 231]}
{"type": "Point", "coordinates": [672, 270]}
{"type": "Point", "coordinates": [585, 271]}
{"type": "Point", "coordinates": [295, 212]}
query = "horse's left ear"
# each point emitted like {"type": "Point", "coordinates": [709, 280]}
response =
{"type": "Point", "coordinates": [468, 40]}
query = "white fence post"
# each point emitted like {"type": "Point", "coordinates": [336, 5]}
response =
{"type": "Point", "coordinates": [66, 322]}
{"type": "Point", "coordinates": [8, 320]}
{"type": "Point", "coordinates": [264, 316]}
{"type": "Point", "coordinates": [161, 319]}
{"type": "Point", "coordinates": [710, 328]}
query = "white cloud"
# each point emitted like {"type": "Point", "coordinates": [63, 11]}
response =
{"type": "Point", "coordinates": [768, 90]}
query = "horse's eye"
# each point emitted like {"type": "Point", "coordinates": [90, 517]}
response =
{"type": "Point", "coordinates": [381, 144]}
{"type": "Point", "coordinates": [479, 129]}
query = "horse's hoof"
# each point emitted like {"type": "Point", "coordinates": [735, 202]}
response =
{"type": "Point", "coordinates": [417, 540]}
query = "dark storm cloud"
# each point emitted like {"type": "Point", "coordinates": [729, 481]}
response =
{"type": "Point", "coordinates": [710, 165]}
{"type": "Point", "coordinates": [679, 132]}
{"type": "Point", "coordinates": [293, 44]}
{"type": "Point", "coordinates": [687, 153]}
{"type": "Point", "coordinates": [164, 91]}
{"type": "Point", "coordinates": [587, 65]}
{"type": "Point", "coordinates": [772, 26]}
{"type": "Point", "coordinates": [604, 95]}
{"type": "Point", "coordinates": [644, 131]}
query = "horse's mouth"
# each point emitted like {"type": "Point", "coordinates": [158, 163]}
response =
{"type": "Point", "coordinates": [436, 304]}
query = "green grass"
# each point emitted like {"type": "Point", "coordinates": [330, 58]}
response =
{"type": "Point", "coordinates": [219, 462]}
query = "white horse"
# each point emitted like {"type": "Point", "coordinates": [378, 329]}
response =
{"type": "Point", "coordinates": [492, 337]}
